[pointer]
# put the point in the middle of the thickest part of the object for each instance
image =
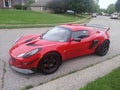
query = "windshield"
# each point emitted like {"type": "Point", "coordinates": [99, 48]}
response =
{"type": "Point", "coordinates": [59, 34]}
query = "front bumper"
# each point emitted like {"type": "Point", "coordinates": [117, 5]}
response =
{"type": "Point", "coordinates": [21, 68]}
{"type": "Point", "coordinates": [24, 71]}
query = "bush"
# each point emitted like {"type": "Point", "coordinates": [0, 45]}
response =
{"type": "Point", "coordinates": [20, 7]}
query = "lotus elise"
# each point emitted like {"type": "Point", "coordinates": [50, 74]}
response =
{"type": "Point", "coordinates": [45, 52]}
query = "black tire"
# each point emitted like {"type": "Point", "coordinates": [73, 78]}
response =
{"type": "Point", "coordinates": [49, 63]}
{"type": "Point", "coordinates": [103, 48]}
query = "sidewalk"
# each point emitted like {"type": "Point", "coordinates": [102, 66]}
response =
{"type": "Point", "coordinates": [79, 79]}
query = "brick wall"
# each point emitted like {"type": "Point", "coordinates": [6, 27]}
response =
{"type": "Point", "coordinates": [12, 3]}
{"type": "Point", "coordinates": [1, 4]}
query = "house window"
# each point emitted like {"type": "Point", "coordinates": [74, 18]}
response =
{"type": "Point", "coordinates": [7, 3]}
{"type": "Point", "coordinates": [16, 2]}
{"type": "Point", "coordinates": [22, 2]}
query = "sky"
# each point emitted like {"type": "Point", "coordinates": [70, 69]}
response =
{"type": "Point", "coordinates": [105, 3]}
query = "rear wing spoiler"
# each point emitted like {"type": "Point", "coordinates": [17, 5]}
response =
{"type": "Point", "coordinates": [98, 26]}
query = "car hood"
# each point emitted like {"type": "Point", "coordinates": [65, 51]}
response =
{"type": "Point", "coordinates": [28, 43]}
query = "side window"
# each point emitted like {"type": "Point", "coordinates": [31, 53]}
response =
{"type": "Point", "coordinates": [80, 34]}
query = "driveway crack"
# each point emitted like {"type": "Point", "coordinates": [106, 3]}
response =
{"type": "Point", "coordinates": [3, 74]}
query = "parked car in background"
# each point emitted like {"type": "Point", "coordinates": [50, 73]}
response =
{"type": "Point", "coordinates": [70, 11]}
{"type": "Point", "coordinates": [107, 14]}
{"type": "Point", "coordinates": [114, 16]}
{"type": "Point", "coordinates": [94, 14]}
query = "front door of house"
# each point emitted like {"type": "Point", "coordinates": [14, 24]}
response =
{"type": "Point", "coordinates": [7, 3]}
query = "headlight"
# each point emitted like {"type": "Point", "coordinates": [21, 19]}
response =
{"type": "Point", "coordinates": [28, 54]}
{"type": "Point", "coordinates": [21, 55]}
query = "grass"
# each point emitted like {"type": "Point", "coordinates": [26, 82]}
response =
{"type": "Point", "coordinates": [30, 17]}
{"type": "Point", "coordinates": [27, 87]}
{"type": "Point", "coordinates": [19, 18]}
{"type": "Point", "coordinates": [108, 82]}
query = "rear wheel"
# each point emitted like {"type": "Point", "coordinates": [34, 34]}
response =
{"type": "Point", "coordinates": [103, 48]}
{"type": "Point", "coordinates": [49, 63]}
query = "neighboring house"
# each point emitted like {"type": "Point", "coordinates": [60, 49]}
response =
{"type": "Point", "coordinates": [41, 5]}
{"type": "Point", "coordinates": [11, 3]}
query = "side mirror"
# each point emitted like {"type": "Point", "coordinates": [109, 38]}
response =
{"type": "Point", "coordinates": [76, 39]}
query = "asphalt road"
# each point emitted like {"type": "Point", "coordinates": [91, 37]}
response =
{"type": "Point", "coordinates": [11, 80]}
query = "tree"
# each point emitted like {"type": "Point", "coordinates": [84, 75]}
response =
{"type": "Point", "coordinates": [30, 2]}
{"type": "Point", "coordinates": [96, 8]}
{"type": "Point", "coordinates": [78, 6]}
{"type": "Point", "coordinates": [90, 6]}
{"type": "Point", "coordinates": [117, 5]}
{"type": "Point", "coordinates": [59, 6]}
{"type": "Point", "coordinates": [111, 8]}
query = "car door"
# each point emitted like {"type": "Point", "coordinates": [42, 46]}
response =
{"type": "Point", "coordinates": [78, 48]}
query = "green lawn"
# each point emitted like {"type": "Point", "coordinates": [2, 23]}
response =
{"type": "Point", "coordinates": [30, 17]}
{"type": "Point", "coordinates": [108, 82]}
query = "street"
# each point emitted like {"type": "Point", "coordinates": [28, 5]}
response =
{"type": "Point", "coordinates": [11, 80]}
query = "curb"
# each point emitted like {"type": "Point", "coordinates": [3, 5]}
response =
{"type": "Point", "coordinates": [79, 79]}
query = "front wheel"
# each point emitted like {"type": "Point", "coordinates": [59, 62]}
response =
{"type": "Point", "coordinates": [49, 63]}
{"type": "Point", "coordinates": [103, 48]}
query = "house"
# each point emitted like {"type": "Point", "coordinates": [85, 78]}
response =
{"type": "Point", "coordinates": [11, 3]}
{"type": "Point", "coordinates": [41, 5]}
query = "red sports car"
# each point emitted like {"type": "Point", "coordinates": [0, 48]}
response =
{"type": "Point", "coordinates": [45, 53]}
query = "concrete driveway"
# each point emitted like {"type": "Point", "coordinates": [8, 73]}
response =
{"type": "Point", "coordinates": [11, 80]}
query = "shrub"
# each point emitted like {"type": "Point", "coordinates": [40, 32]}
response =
{"type": "Point", "coordinates": [20, 7]}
